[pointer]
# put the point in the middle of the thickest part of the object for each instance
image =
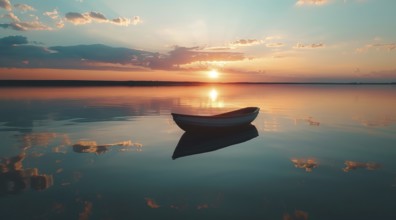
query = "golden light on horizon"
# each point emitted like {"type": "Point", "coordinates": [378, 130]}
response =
{"type": "Point", "coordinates": [213, 74]}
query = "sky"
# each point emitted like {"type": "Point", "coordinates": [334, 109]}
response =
{"type": "Point", "coordinates": [199, 40]}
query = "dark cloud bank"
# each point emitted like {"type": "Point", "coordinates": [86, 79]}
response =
{"type": "Point", "coordinates": [18, 52]}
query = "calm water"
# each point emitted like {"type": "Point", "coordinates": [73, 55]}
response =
{"type": "Point", "coordinates": [315, 152]}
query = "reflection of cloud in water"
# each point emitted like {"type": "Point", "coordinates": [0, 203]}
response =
{"type": "Point", "coordinates": [310, 120]}
{"type": "Point", "coordinates": [202, 206]}
{"type": "Point", "coordinates": [297, 215]}
{"type": "Point", "coordinates": [43, 139]}
{"type": "Point", "coordinates": [151, 203]}
{"type": "Point", "coordinates": [353, 165]}
{"type": "Point", "coordinates": [14, 179]}
{"type": "Point", "coordinates": [84, 215]}
{"type": "Point", "coordinates": [271, 125]}
{"type": "Point", "coordinates": [376, 122]}
{"type": "Point", "coordinates": [307, 164]}
{"type": "Point", "coordinates": [93, 147]}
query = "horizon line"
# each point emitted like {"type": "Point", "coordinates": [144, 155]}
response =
{"type": "Point", "coordinates": [71, 83]}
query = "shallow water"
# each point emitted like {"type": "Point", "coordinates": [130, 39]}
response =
{"type": "Point", "coordinates": [321, 152]}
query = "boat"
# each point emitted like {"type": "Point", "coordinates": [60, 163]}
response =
{"type": "Point", "coordinates": [225, 121]}
{"type": "Point", "coordinates": [192, 143]}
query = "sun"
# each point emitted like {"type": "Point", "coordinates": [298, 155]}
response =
{"type": "Point", "coordinates": [213, 74]}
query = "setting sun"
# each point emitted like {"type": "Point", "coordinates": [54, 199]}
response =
{"type": "Point", "coordinates": [213, 74]}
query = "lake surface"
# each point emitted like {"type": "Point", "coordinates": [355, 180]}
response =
{"type": "Point", "coordinates": [315, 152]}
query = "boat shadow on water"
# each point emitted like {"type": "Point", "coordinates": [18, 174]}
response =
{"type": "Point", "coordinates": [192, 143]}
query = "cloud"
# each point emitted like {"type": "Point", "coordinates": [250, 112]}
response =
{"type": "Point", "coordinates": [77, 18]}
{"type": "Point", "coordinates": [18, 25]}
{"type": "Point", "coordinates": [24, 26]}
{"type": "Point", "coordinates": [309, 46]}
{"type": "Point", "coordinates": [184, 55]}
{"type": "Point", "coordinates": [24, 7]}
{"type": "Point", "coordinates": [5, 4]}
{"type": "Point", "coordinates": [378, 46]}
{"type": "Point", "coordinates": [11, 16]}
{"type": "Point", "coordinates": [275, 45]}
{"type": "Point", "coordinates": [89, 17]}
{"type": "Point", "coordinates": [311, 2]}
{"type": "Point", "coordinates": [13, 40]}
{"type": "Point", "coordinates": [52, 14]}
{"type": "Point", "coordinates": [245, 42]}
{"type": "Point", "coordinates": [103, 57]}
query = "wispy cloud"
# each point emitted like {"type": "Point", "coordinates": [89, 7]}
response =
{"type": "Point", "coordinates": [311, 2]}
{"type": "Point", "coordinates": [24, 7]}
{"type": "Point", "coordinates": [309, 46]}
{"type": "Point", "coordinates": [6, 5]}
{"type": "Point", "coordinates": [54, 14]}
{"type": "Point", "coordinates": [89, 17]}
{"type": "Point", "coordinates": [274, 44]}
{"type": "Point", "coordinates": [18, 25]}
{"type": "Point", "coordinates": [377, 46]}
{"type": "Point", "coordinates": [245, 42]}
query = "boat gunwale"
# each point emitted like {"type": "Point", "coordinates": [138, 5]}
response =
{"type": "Point", "coordinates": [230, 114]}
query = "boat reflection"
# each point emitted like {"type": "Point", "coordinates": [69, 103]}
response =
{"type": "Point", "coordinates": [192, 143]}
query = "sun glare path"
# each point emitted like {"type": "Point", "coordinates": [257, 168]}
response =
{"type": "Point", "coordinates": [213, 74]}
{"type": "Point", "coordinates": [213, 95]}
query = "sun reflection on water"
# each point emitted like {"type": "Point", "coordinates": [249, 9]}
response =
{"type": "Point", "coordinates": [214, 100]}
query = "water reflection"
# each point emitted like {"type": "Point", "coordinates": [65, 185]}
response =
{"type": "Point", "coordinates": [93, 147]}
{"type": "Point", "coordinates": [354, 165]}
{"type": "Point", "coordinates": [192, 143]}
{"type": "Point", "coordinates": [307, 164]}
{"type": "Point", "coordinates": [297, 215]}
{"type": "Point", "coordinates": [151, 203]}
{"type": "Point", "coordinates": [42, 129]}
{"type": "Point", "coordinates": [14, 178]}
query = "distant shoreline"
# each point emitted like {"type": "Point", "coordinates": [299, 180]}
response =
{"type": "Point", "coordinates": [88, 83]}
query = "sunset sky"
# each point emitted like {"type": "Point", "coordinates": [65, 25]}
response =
{"type": "Point", "coordinates": [199, 40]}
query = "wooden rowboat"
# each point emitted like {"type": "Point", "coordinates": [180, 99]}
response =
{"type": "Point", "coordinates": [225, 121]}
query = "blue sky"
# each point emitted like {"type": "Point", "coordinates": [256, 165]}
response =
{"type": "Point", "coordinates": [289, 40]}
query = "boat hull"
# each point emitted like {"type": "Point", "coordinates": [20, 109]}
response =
{"type": "Point", "coordinates": [226, 121]}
